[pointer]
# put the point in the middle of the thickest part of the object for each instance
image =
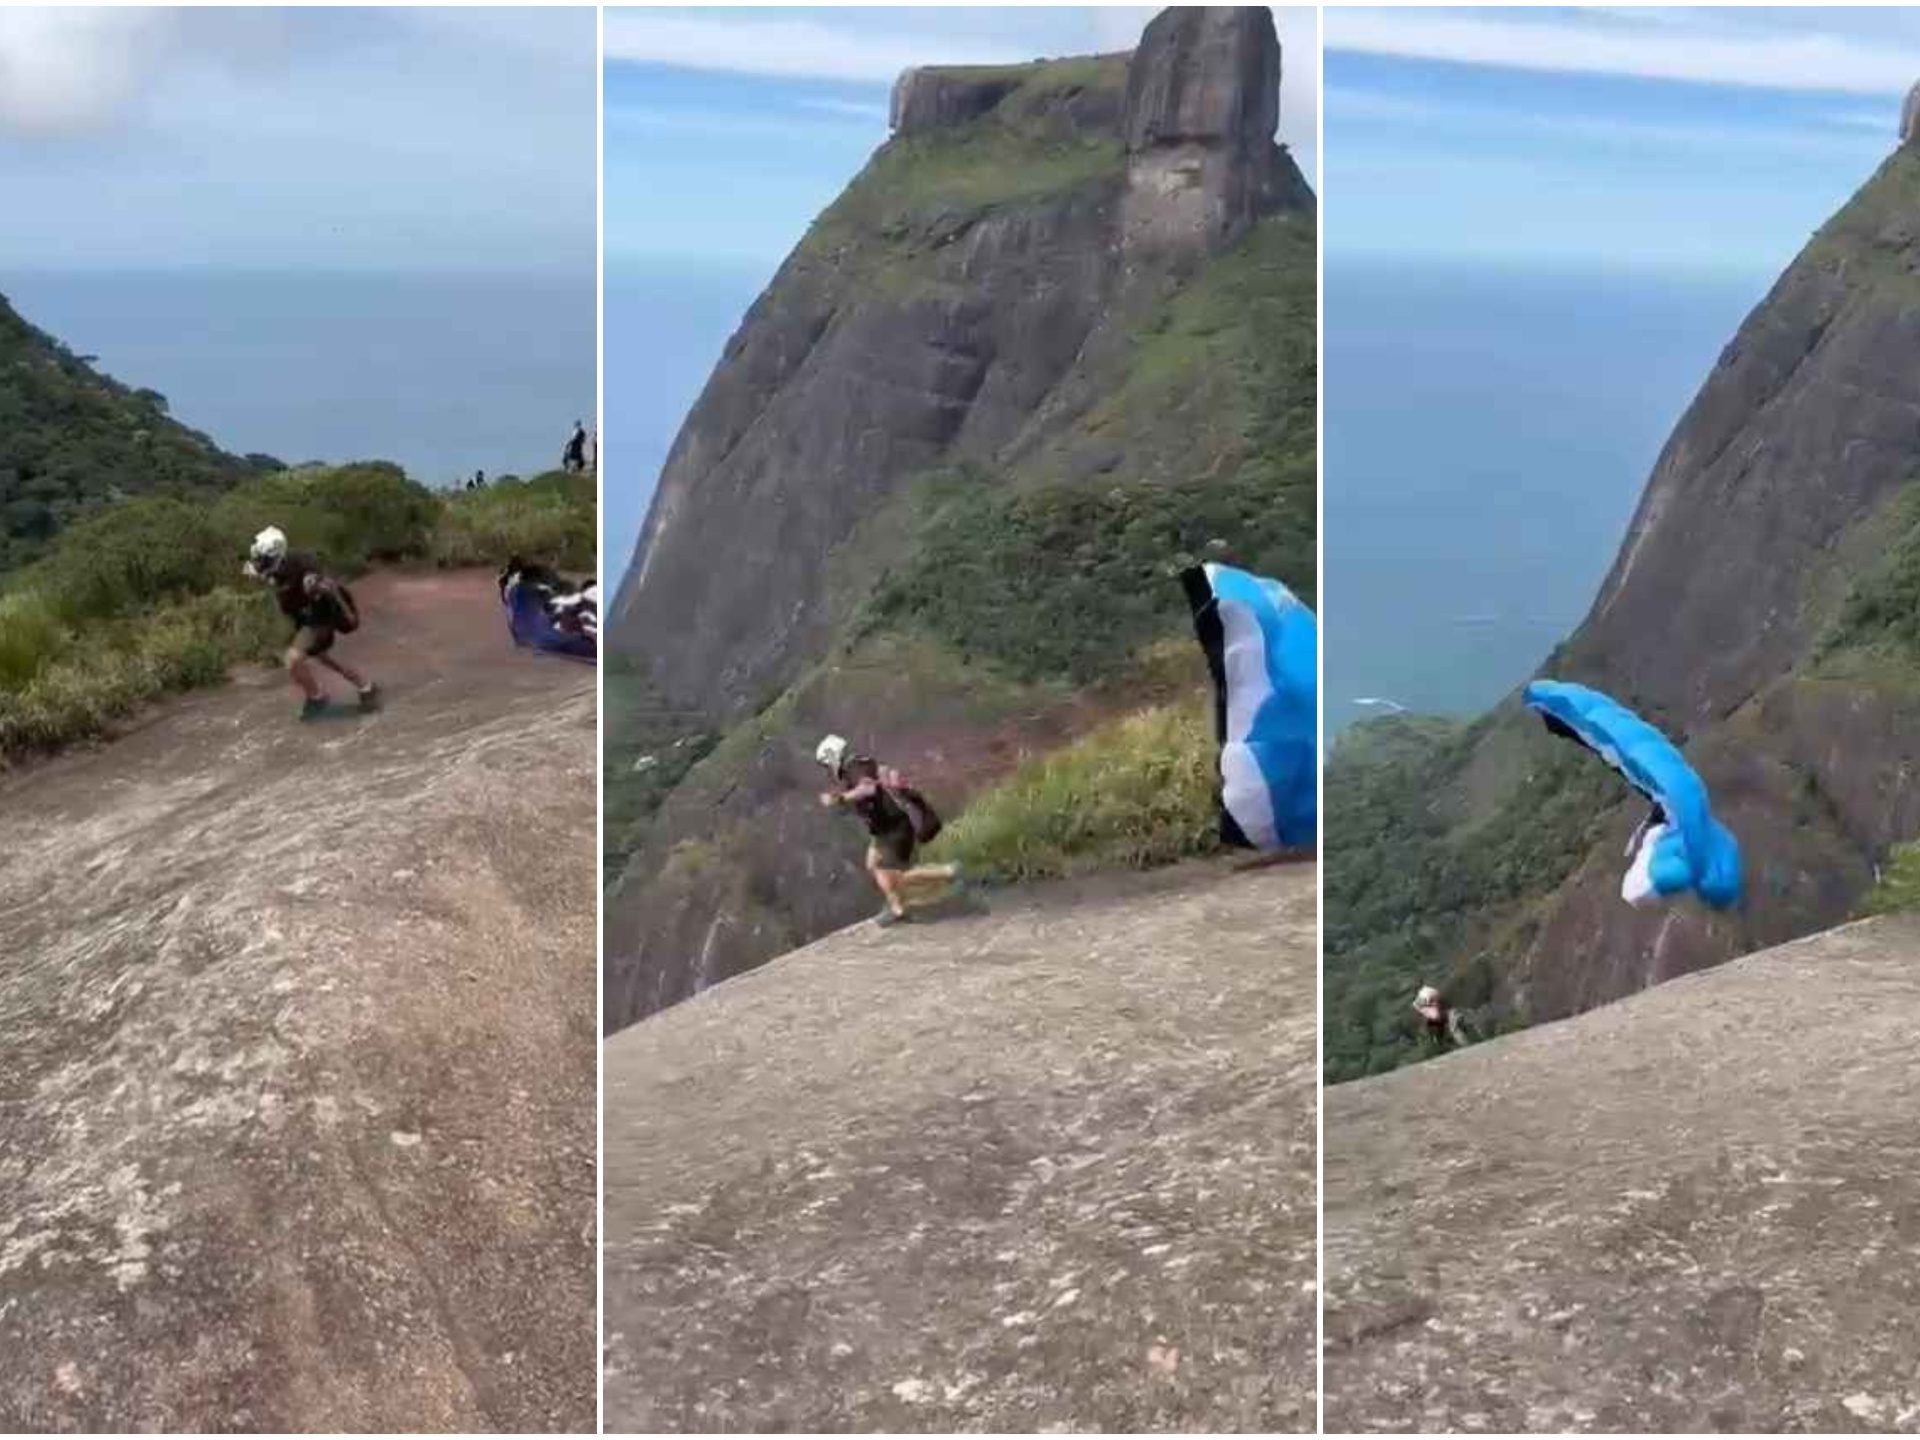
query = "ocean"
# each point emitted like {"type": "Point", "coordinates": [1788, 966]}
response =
{"type": "Point", "coordinates": [444, 374]}
{"type": "Point", "coordinates": [667, 322]}
{"type": "Point", "coordinates": [1488, 434]}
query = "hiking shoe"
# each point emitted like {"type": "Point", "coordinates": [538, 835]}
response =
{"type": "Point", "coordinates": [370, 698]}
{"type": "Point", "coordinates": [313, 709]}
{"type": "Point", "coordinates": [886, 919]}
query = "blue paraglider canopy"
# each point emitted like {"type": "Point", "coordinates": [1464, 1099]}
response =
{"type": "Point", "coordinates": [1263, 647]}
{"type": "Point", "coordinates": [1685, 847]}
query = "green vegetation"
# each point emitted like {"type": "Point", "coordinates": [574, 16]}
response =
{"type": "Point", "coordinates": [1138, 792]}
{"type": "Point", "coordinates": [551, 517]}
{"type": "Point", "coordinates": [1418, 874]}
{"type": "Point", "coordinates": [1881, 610]}
{"type": "Point", "coordinates": [140, 598]}
{"type": "Point", "coordinates": [1026, 146]}
{"type": "Point", "coordinates": [1870, 240]}
{"type": "Point", "coordinates": [1897, 886]}
{"type": "Point", "coordinates": [73, 440]}
{"type": "Point", "coordinates": [1214, 412]}
{"type": "Point", "coordinates": [650, 747]}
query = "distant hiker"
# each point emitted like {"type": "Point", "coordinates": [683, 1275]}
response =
{"type": "Point", "coordinates": [574, 458]}
{"type": "Point", "coordinates": [479, 480]}
{"type": "Point", "coordinates": [320, 608]}
{"type": "Point", "coordinates": [898, 818]}
{"type": "Point", "coordinates": [1440, 1020]}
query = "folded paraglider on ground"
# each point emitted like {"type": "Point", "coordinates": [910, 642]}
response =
{"type": "Point", "coordinates": [548, 612]}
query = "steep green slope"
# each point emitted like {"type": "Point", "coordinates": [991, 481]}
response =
{"type": "Point", "coordinates": [72, 439]}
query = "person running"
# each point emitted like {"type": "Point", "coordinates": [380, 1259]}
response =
{"type": "Point", "coordinates": [888, 807]}
{"type": "Point", "coordinates": [574, 458]}
{"type": "Point", "coordinates": [1440, 1020]}
{"type": "Point", "coordinates": [320, 608]}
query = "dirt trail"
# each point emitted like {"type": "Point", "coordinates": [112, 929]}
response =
{"type": "Point", "coordinates": [297, 1049]}
{"type": "Point", "coordinates": [1044, 1165]}
{"type": "Point", "coordinates": [1697, 1209]}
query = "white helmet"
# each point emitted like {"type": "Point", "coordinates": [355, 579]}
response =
{"type": "Point", "coordinates": [831, 751]}
{"type": "Point", "coordinates": [1427, 999]}
{"type": "Point", "coordinates": [269, 546]}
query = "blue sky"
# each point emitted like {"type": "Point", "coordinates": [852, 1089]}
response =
{"type": "Point", "coordinates": [456, 139]}
{"type": "Point", "coordinates": [1707, 141]}
{"type": "Point", "coordinates": [728, 130]}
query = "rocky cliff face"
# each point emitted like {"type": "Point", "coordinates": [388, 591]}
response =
{"type": "Point", "coordinates": [1761, 609]}
{"type": "Point", "coordinates": [1031, 290]}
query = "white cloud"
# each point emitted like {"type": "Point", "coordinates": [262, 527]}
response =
{"type": "Point", "coordinates": [798, 48]}
{"type": "Point", "coordinates": [65, 72]}
{"type": "Point", "coordinates": [1692, 46]}
{"type": "Point", "coordinates": [1827, 134]}
{"type": "Point", "coordinates": [852, 109]}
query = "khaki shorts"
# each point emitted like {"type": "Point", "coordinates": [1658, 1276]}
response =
{"type": "Point", "coordinates": [313, 639]}
{"type": "Point", "coordinates": [892, 850]}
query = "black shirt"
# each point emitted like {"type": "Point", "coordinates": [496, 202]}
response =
{"type": "Point", "coordinates": [290, 589]}
{"type": "Point", "coordinates": [879, 809]}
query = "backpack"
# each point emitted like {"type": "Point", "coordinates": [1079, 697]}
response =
{"type": "Point", "coordinates": [926, 820]}
{"type": "Point", "coordinates": [346, 613]}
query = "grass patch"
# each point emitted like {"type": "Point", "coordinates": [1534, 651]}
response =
{"type": "Point", "coordinates": [1897, 886]}
{"type": "Point", "coordinates": [1136, 793]}
{"type": "Point", "coordinates": [551, 516]}
{"type": "Point", "coordinates": [119, 665]}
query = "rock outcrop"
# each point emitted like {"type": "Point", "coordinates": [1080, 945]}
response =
{"type": "Point", "coordinates": [1910, 117]}
{"type": "Point", "coordinates": [932, 99]}
{"type": "Point", "coordinates": [1203, 101]}
{"type": "Point", "coordinates": [1045, 1168]}
{"type": "Point", "coordinates": [297, 1121]}
{"type": "Point", "coordinates": [1689, 1211]}
{"type": "Point", "coordinates": [956, 330]}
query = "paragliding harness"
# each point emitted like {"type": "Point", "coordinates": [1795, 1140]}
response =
{"type": "Point", "coordinates": [548, 613]}
{"type": "Point", "coordinates": [925, 819]}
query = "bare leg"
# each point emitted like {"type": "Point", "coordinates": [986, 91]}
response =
{"type": "Point", "coordinates": [925, 877]}
{"type": "Point", "coordinates": [345, 671]}
{"type": "Point", "coordinates": [888, 883]}
{"type": "Point", "coordinates": [300, 667]}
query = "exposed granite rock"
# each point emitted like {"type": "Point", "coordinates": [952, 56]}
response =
{"type": "Point", "coordinates": [1691, 1211]}
{"type": "Point", "coordinates": [934, 99]}
{"type": "Point", "coordinates": [297, 1121]}
{"type": "Point", "coordinates": [1203, 101]}
{"type": "Point", "coordinates": [1910, 117]}
{"type": "Point", "coordinates": [1043, 1167]}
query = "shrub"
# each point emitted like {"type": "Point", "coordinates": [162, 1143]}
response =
{"type": "Point", "coordinates": [1136, 793]}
